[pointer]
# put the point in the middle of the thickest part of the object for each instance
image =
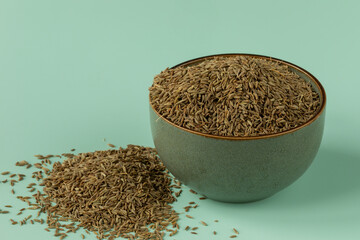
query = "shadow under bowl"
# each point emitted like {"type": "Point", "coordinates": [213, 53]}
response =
{"type": "Point", "coordinates": [239, 169]}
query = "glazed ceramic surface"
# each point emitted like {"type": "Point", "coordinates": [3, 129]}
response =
{"type": "Point", "coordinates": [239, 169]}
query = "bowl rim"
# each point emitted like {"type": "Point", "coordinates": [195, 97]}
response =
{"type": "Point", "coordinates": [308, 74]}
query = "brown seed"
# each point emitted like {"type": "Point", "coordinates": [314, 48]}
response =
{"type": "Point", "coordinates": [216, 220]}
{"type": "Point", "coordinates": [4, 212]}
{"type": "Point", "coordinates": [203, 223]}
{"type": "Point", "coordinates": [193, 232]}
{"type": "Point", "coordinates": [173, 233]}
{"type": "Point", "coordinates": [195, 228]}
{"type": "Point", "coordinates": [111, 145]}
{"type": "Point", "coordinates": [235, 231]}
{"type": "Point", "coordinates": [191, 202]}
{"type": "Point", "coordinates": [177, 194]}
{"type": "Point", "coordinates": [73, 149]}
{"type": "Point", "coordinates": [202, 198]}
{"type": "Point", "coordinates": [192, 191]}
{"type": "Point", "coordinates": [233, 236]}
{"type": "Point", "coordinates": [215, 232]}
{"type": "Point", "coordinates": [187, 228]}
{"type": "Point", "coordinates": [38, 165]}
{"type": "Point", "coordinates": [188, 216]}
{"type": "Point", "coordinates": [5, 173]}
{"type": "Point", "coordinates": [8, 206]}
{"type": "Point", "coordinates": [21, 163]}
{"type": "Point", "coordinates": [12, 182]}
{"type": "Point", "coordinates": [4, 181]}
{"type": "Point", "coordinates": [82, 236]}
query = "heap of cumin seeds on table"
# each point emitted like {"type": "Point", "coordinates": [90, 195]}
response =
{"type": "Point", "coordinates": [234, 96]}
{"type": "Point", "coordinates": [114, 193]}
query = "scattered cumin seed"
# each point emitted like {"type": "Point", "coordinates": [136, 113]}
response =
{"type": "Point", "coordinates": [111, 145]}
{"type": "Point", "coordinates": [202, 198]}
{"type": "Point", "coordinates": [215, 232]}
{"type": "Point", "coordinates": [5, 173]}
{"type": "Point", "coordinates": [82, 236]}
{"type": "Point", "coordinates": [188, 216]}
{"type": "Point", "coordinates": [216, 220]}
{"type": "Point", "coordinates": [195, 228]}
{"type": "Point", "coordinates": [191, 202]}
{"type": "Point", "coordinates": [192, 191]}
{"type": "Point", "coordinates": [203, 223]}
{"type": "Point", "coordinates": [21, 163]}
{"type": "Point", "coordinates": [8, 206]}
{"type": "Point", "coordinates": [193, 232]}
{"type": "Point", "coordinates": [63, 236]}
{"type": "Point", "coordinates": [235, 231]}
{"type": "Point", "coordinates": [173, 233]}
{"type": "Point", "coordinates": [233, 236]}
{"type": "Point", "coordinates": [4, 212]}
{"type": "Point", "coordinates": [177, 194]}
{"type": "Point", "coordinates": [187, 228]}
{"type": "Point", "coordinates": [187, 208]}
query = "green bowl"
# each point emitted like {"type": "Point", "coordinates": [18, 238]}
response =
{"type": "Point", "coordinates": [239, 169]}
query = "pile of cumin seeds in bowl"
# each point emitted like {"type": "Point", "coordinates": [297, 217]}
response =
{"type": "Point", "coordinates": [234, 96]}
{"type": "Point", "coordinates": [112, 193]}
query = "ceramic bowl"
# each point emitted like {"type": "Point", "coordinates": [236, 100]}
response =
{"type": "Point", "coordinates": [239, 169]}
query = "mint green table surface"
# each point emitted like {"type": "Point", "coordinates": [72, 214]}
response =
{"type": "Point", "coordinates": [75, 72]}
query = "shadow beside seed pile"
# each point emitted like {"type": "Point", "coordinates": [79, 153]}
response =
{"type": "Point", "coordinates": [234, 96]}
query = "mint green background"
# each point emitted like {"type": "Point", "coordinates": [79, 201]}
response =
{"type": "Point", "coordinates": [75, 72]}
